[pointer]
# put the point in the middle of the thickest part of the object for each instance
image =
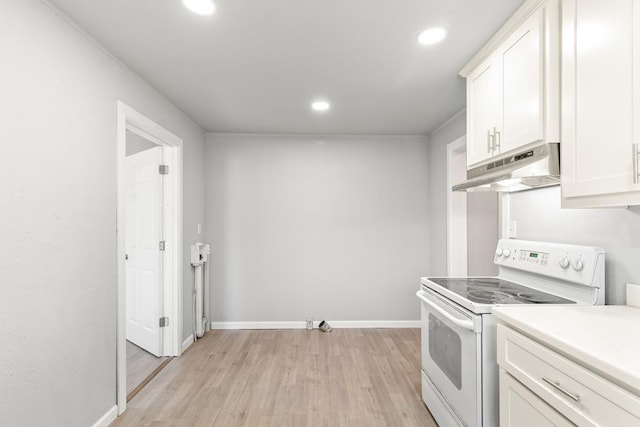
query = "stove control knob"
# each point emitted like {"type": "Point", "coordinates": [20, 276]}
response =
{"type": "Point", "coordinates": [564, 262]}
{"type": "Point", "coordinates": [506, 253]}
{"type": "Point", "coordinates": [577, 264]}
{"type": "Point", "coordinates": [499, 252]}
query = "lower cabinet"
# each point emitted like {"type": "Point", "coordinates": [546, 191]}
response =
{"type": "Point", "coordinates": [520, 407]}
{"type": "Point", "coordinates": [541, 387]}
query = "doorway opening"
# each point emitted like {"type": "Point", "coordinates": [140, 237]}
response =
{"type": "Point", "coordinates": [472, 220]}
{"type": "Point", "coordinates": [149, 249]}
{"type": "Point", "coordinates": [456, 209]}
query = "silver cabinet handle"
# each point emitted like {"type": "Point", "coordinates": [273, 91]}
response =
{"type": "Point", "coordinates": [497, 139]}
{"type": "Point", "coordinates": [557, 386]}
{"type": "Point", "coordinates": [489, 143]}
{"type": "Point", "coordinates": [635, 153]}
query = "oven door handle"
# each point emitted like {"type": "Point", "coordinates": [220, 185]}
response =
{"type": "Point", "coordinates": [465, 324]}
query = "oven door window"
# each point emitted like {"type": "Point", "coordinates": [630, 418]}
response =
{"type": "Point", "coordinates": [445, 349]}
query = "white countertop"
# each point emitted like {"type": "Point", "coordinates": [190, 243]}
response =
{"type": "Point", "coordinates": [605, 339]}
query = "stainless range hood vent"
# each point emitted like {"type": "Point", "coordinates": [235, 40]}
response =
{"type": "Point", "coordinates": [534, 167]}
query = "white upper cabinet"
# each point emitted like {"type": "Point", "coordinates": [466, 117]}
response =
{"type": "Point", "coordinates": [601, 102]}
{"type": "Point", "coordinates": [484, 97]}
{"type": "Point", "coordinates": [513, 85]}
{"type": "Point", "coordinates": [523, 82]}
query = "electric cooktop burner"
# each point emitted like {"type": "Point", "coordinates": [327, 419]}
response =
{"type": "Point", "coordinates": [491, 290]}
{"type": "Point", "coordinates": [487, 297]}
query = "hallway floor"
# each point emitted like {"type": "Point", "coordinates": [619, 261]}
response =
{"type": "Point", "coordinates": [350, 377]}
{"type": "Point", "coordinates": [140, 365]}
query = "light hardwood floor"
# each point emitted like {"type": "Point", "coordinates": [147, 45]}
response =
{"type": "Point", "coordinates": [140, 365]}
{"type": "Point", "coordinates": [350, 377]}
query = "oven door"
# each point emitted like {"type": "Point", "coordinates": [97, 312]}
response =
{"type": "Point", "coordinates": [451, 356]}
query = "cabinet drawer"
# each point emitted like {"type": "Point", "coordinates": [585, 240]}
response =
{"type": "Point", "coordinates": [580, 395]}
{"type": "Point", "coordinates": [519, 407]}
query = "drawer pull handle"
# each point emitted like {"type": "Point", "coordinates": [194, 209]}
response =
{"type": "Point", "coordinates": [557, 386]}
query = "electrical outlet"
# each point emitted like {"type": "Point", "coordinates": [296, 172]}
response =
{"type": "Point", "coordinates": [633, 295]}
{"type": "Point", "coordinates": [513, 229]}
{"type": "Point", "coordinates": [309, 323]}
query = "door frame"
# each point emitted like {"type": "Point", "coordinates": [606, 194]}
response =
{"type": "Point", "coordinates": [456, 242]}
{"type": "Point", "coordinates": [129, 119]}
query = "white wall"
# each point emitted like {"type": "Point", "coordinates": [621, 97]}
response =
{"type": "Point", "coordinates": [451, 130]}
{"type": "Point", "coordinates": [483, 232]}
{"type": "Point", "coordinates": [330, 227]}
{"type": "Point", "coordinates": [617, 230]}
{"type": "Point", "coordinates": [58, 215]}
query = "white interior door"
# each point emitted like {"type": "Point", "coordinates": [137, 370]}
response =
{"type": "Point", "coordinates": [144, 258]}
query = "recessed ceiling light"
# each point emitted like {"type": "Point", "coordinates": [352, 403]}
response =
{"type": "Point", "coordinates": [320, 105]}
{"type": "Point", "coordinates": [201, 7]}
{"type": "Point", "coordinates": [432, 36]}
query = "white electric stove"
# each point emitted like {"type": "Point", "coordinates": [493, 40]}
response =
{"type": "Point", "coordinates": [459, 368]}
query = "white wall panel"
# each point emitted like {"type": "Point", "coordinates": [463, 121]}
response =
{"type": "Point", "coordinates": [617, 230]}
{"type": "Point", "coordinates": [58, 216]}
{"type": "Point", "coordinates": [326, 227]}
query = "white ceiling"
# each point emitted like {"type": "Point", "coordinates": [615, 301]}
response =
{"type": "Point", "coordinates": [255, 65]}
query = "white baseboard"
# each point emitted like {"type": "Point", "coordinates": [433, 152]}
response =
{"type": "Point", "coordinates": [107, 418]}
{"type": "Point", "coordinates": [339, 324]}
{"type": "Point", "coordinates": [258, 325]}
{"type": "Point", "coordinates": [372, 324]}
{"type": "Point", "coordinates": [186, 343]}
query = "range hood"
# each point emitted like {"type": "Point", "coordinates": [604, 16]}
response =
{"type": "Point", "coordinates": [534, 167]}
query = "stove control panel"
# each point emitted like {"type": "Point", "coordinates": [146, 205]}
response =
{"type": "Point", "coordinates": [539, 258]}
{"type": "Point", "coordinates": [573, 263]}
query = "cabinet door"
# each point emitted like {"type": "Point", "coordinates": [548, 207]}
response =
{"type": "Point", "coordinates": [520, 407]}
{"type": "Point", "coordinates": [484, 101]}
{"type": "Point", "coordinates": [523, 62]}
{"type": "Point", "coordinates": [600, 112]}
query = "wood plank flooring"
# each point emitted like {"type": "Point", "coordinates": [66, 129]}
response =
{"type": "Point", "coordinates": [350, 377]}
{"type": "Point", "coordinates": [140, 365]}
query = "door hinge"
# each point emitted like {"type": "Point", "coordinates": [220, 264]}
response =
{"type": "Point", "coordinates": [163, 169]}
{"type": "Point", "coordinates": [162, 246]}
{"type": "Point", "coordinates": [163, 322]}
